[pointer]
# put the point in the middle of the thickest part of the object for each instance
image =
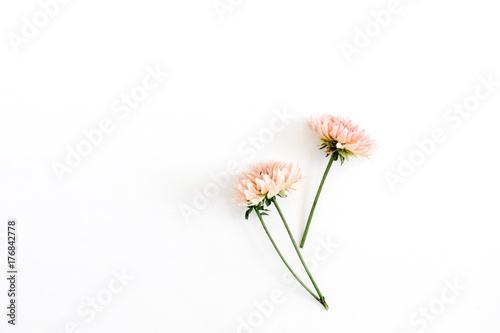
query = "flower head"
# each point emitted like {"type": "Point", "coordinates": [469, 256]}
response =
{"type": "Point", "coordinates": [342, 137]}
{"type": "Point", "coordinates": [266, 180]}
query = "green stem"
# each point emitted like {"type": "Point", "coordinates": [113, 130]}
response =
{"type": "Point", "coordinates": [321, 297]}
{"type": "Point", "coordinates": [282, 258]}
{"type": "Point", "coordinates": [311, 213]}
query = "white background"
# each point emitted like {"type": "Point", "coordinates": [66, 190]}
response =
{"type": "Point", "coordinates": [120, 208]}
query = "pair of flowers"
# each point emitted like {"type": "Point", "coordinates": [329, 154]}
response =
{"type": "Point", "coordinates": [260, 187]}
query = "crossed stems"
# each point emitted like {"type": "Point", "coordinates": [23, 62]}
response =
{"type": "Point", "coordinates": [320, 298]}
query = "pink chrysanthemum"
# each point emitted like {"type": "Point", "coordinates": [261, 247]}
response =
{"type": "Point", "coordinates": [266, 180]}
{"type": "Point", "coordinates": [342, 136]}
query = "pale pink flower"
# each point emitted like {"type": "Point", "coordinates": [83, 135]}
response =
{"type": "Point", "coordinates": [338, 133]}
{"type": "Point", "coordinates": [266, 180]}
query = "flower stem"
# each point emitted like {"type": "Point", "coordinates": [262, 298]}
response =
{"type": "Point", "coordinates": [311, 213]}
{"type": "Point", "coordinates": [282, 258]}
{"type": "Point", "coordinates": [321, 297]}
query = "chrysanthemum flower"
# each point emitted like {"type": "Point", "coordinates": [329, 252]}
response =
{"type": "Point", "coordinates": [266, 180]}
{"type": "Point", "coordinates": [257, 189]}
{"type": "Point", "coordinates": [341, 136]}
